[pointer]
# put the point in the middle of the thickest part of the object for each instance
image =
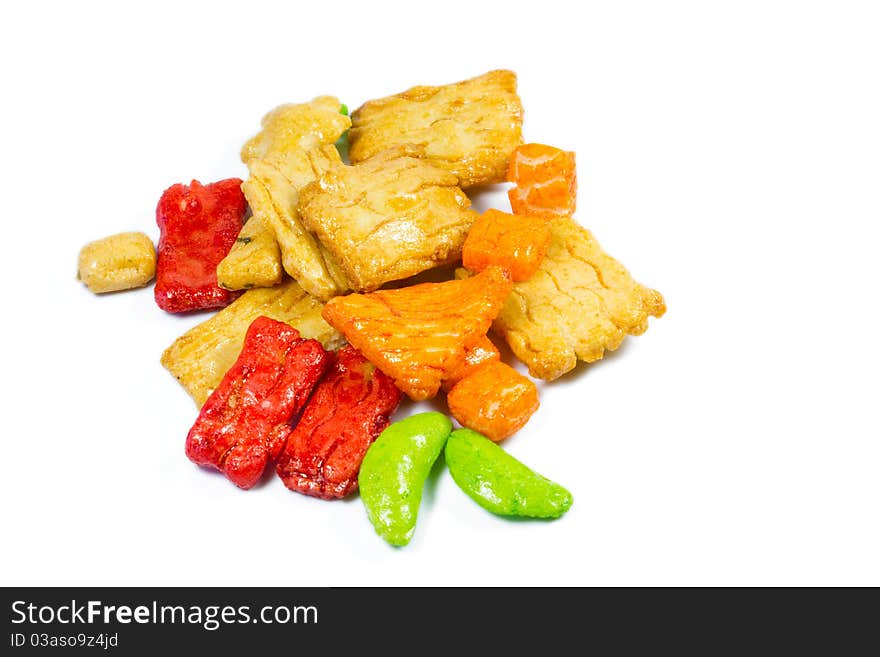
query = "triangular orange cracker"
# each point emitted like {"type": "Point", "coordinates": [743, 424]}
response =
{"type": "Point", "coordinates": [417, 335]}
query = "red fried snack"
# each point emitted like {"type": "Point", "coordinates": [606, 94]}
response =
{"type": "Point", "coordinates": [199, 224]}
{"type": "Point", "coordinates": [494, 400]}
{"type": "Point", "coordinates": [245, 421]}
{"type": "Point", "coordinates": [348, 410]}
{"type": "Point", "coordinates": [516, 242]}
{"type": "Point", "coordinates": [419, 334]}
{"type": "Point", "coordinates": [546, 181]}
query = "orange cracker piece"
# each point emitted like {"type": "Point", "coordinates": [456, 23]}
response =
{"type": "Point", "coordinates": [515, 242]}
{"type": "Point", "coordinates": [474, 357]}
{"type": "Point", "coordinates": [494, 400]}
{"type": "Point", "coordinates": [546, 181]}
{"type": "Point", "coordinates": [417, 335]}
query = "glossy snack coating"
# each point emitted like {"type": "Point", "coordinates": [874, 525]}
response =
{"type": "Point", "coordinates": [117, 262]}
{"type": "Point", "coordinates": [387, 218]}
{"type": "Point", "coordinates": [545, 181]}
{"type": "Point", "coordinates": [484, 351]}
{"type": "Point", "coordinates": [254, 259]}
{"type": "Point", "coordinates": [417, 335]}
{"type": "Point", "coordinates": [200, 357]}
{"type": "Point", "coordinates": [394, 471]}
{"type": "Point", "coordinates": [468, 128]}
{"type": "Point", "coordinates": [198, 224]}
{"type": "Point", "coordinates": [245, 422]}
{"type": "Point", "coordinates": [515, 242]}
{"type": "Point", "coordinates": [580, 303]}
{"type": "Point", "coordinates": [498, 482]}
{"type": "Point", "coordinates": [494, 399]}
{"type": "Point", "coordinates": [347, 411]}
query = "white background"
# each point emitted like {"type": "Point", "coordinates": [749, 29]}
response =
{"type": "Point", "coordinates": [728, 155]}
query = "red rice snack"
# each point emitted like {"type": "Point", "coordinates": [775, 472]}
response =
{"type": "Point", "coordinates": [244, 424]}
{"type": "Point", "coordinates": [199, 224]}
{"type": "Point", "coordinates": [349, 409]}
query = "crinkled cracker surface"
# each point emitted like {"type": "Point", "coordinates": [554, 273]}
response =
{"type": "Point", "coordinates": [254, 260]}
{"type": "Point", "coordinates": [580, 303]}
{"type": "Point", "coordinates": [293, 149]}
{"type": "Point", "coordinates": [468, 128]}
{"type": "Point", "coordinates": [297, 127]}
{"type": "Point", "coordinates": [201, 356]}
{"type": "Point", "coordinates": [387, 218]}
{"type": "Point", "coordinates": [274, 196]}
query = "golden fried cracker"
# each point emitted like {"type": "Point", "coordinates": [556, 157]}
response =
{"type": "Point", "coordinates": [469, 128]}
{"type": "Point", "coordinates": [388, 218]}
{"type": "Point", "coordinates": [254, 260]}
{"type": "Point", "coordinates": [580, 303]}
{"type": "Point", "coordinates": [273, 196]}
{"type": "Point", "coordinates": [200, 357]}
{"type": "Point", "coordinates": [294, 147]}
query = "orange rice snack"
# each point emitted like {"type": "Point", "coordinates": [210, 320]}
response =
{"type": "Point", "coordinates": [494, 400]}
{"type": "Point", "coordinates": [546, 181]}
{"type": "Point", "coordinates": [418, 335]}
{"type": "Point", "coordinates": [515, 242]}
{"type": "Point", "coordinates": [474, 357]}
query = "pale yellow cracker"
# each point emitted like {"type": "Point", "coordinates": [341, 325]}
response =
{"type": "Point", "coordinates": [254, 260]}
{"type": "Point", "coordinates": [469, 128]}
{"type": "Point", "coordinates": [293, 149]}
{"type": "Point", "coordinates": [387, 218]}
{"type": "Point", "coordinates": [297, 127]}
{"type": "Point", "coordinates": [580, 303]}
{"type": "Point", "coordinates": [117, 262]}
{"type": "Point", "coordinates": [274, 197]}
{"type": "Point", "coordinates": [201, 356]}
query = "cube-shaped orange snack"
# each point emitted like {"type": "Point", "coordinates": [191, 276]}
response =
{"type": "Point", "coordinates": [494, 400]}
{"type": "Point", "coordinates": [515, 242]}
{"type": "Point", "coordinates": [480, 354]}
{"type": "Point", "coordinates": [546, 181]}
{"type": "Point", "coordinates": [418, 335]}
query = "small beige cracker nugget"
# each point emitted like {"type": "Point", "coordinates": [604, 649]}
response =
{"type": "Point", "coordinates": [118, 262]}
{"type": "Point", "coordinates": [469, 128]}
{"type": "Point", "coordinates": [201, 356]}
{"type": "Point", "coordinates": [580, 303]}
{"type": "Point", "coordinates": [387, 218]}
{"type": "Point", "coordinates": [254, 260]}
{"type": "Point", "coordinates": [293, 149]}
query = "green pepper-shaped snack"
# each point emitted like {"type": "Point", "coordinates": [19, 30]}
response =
{"type": "Point", "coordinates": [394, 471]}
{"type": "Point", "coordinates": [342, 143]}
{"type": "Point", "coordinates": [498, 482]}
